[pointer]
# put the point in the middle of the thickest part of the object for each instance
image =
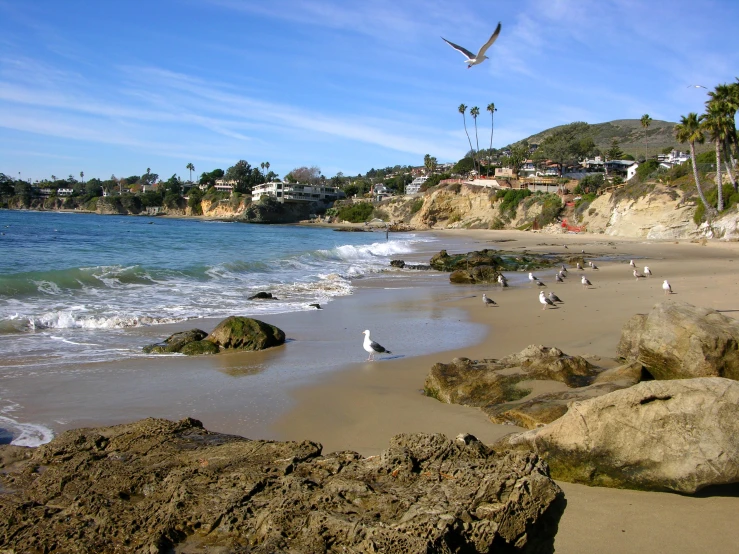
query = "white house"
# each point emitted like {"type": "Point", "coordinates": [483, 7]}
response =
{"type": "Point", "coordinates": [414, 186]}
{"type": "Point", "coordinates": [225, 186]}
{"type": "Point", "coordinates": [631, 171]}
{"type": "Point", "coordinates": [297, 192]}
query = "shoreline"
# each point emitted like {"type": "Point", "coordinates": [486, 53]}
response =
{"type": "Point", "coordinates": [361, 406]}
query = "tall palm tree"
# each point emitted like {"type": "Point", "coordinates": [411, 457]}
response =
{"type": "Point", "coordinates": [82, 177]}
{"type": "Point", "coordinates": [191, 168]}
{"type": "Point", "coordinates": [646, 121]}
{"type": "Point", "coordinates": [462, 109]}
{"type": "Point", "coordinates": [713, 122]}
{"type": "Point", "coordinates": [266, 167]}
{"type": "Point", "coordinates": [474, 112]}
{"type": "Point", "coordinates": [689, 130]}
{"type": "Point", "coordinates": [726, 100]}
{"type": "Point", "coordinates": [492, 109]}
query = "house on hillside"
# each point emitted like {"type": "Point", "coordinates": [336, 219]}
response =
{"type": "Point", "coordinates": [414, 186]}
{"type": "Point", "coordinates": [297, 192]}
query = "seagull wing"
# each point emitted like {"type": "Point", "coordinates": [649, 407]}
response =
{"type": "Point", "coordinates": [377, 347]}
{"type": "Point", "coordinates": [489, 43]}
{"type": "Point", "coordinates": [458, 48]}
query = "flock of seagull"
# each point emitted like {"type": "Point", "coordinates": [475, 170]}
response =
{"type": "Point", "coordinates": [551, 299]}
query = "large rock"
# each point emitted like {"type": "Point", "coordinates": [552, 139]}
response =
{"type": "Point", "coordinates": [676, 340]}
{"type": "Point", "coordinates": [175, 343]}
{"type": "Point", "coordinates": [244, 333]}
{"type": "Point", "coordinates": [158, 486]}
{"type": "Point", "coordinates": [676, 435]}
{"type": "Point", "coordinates": [501, 388]}
{"type": "Point", "coordinates": [481, 274]}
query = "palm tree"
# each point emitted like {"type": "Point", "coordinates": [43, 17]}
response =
{"type": "Point", "coordinates": [53, 178]}
{"type": "Point", "coordinates": [726, 101]}
{"type": "Point", "coordinates": [646, 121]}
{"type": "Point", "coordinates": [462, 109]}
{"type": "Point", "coordinates": [474, 112]}
{"type": "Point", "coordinates": [492, 109]}
{"type": "Point", "coordinates": [191, 168]}
{"type": "Point", "coordinates": [713, 122]}
{"type": "Point", "coordinates": [689, 130]}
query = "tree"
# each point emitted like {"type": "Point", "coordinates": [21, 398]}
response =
{"type": "Point", "coordinates": [714, 123]}
{"type": "Point", "coordinates": [725, 100]}
{"type": "Point", "coordinates": [567, 144]}
{"type": "Point", "coordinates": [689, 130]}
{"type": "Point", "coordinates": [464, 166]}
{"type": "Point", "coordinates": [191, 168]}
{"type": "Point", "coordinates": [518, 155]}
{"type": "Point", "coordinates": [82, 177]}
{"type": "Point", "coordinates": [94, 187]}
{"type": "Point", "coordinates": [614, 152]}
{"type": "Point", "coordinates": [646, 121]}
{"type": "Point", "coordinates": [209, 179]}
{"type": "Point", "coordinates": [429, 163]}
{"type": "Point", "coordinates": [474, 112]}
{"type": "Point", "coordinates": [492, 109]}
{"type": "Point", "coordinates": [462, 109]}
{"type": "Point", "coordinates": [241, 172]}
{"type": "Point", "coordinates": [308, 175]}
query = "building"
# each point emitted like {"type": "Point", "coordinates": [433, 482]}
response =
{"type": "Point", "coordinates": [414, 187]}
{"type": "Point", "coordinates": [225, 186]}
{"type": "Point", "coordinates": [297, 192]}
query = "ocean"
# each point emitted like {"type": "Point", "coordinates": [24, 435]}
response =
{"type": "Point", "coordinates": [80, 294]}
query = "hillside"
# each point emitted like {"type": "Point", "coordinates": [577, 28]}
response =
{"type": "Point", "coordinates": [630, 135]}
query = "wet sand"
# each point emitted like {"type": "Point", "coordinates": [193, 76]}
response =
{"type": "Point", "coordinates": [362, 406]}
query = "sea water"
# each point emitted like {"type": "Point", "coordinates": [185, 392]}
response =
{"type": "Point", "coordinates": [81, 293]}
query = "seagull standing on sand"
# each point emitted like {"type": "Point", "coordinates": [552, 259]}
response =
{"type": "Point", "coordinates": [666, 287]}
{"type": "Point", "coordinates": [579, 266]}
{"type": "Point", "coordinates": [533, 278]}
{"type": "Point", "coordinates": [474, 59]}
{"type": "Point", "coordinates": [558, 278]}
{"type": "Point", "coordinates": [488, 301]}
{"type": "Point", "coordinates": [545, 301]}
{"type": "Point", "coordinates": [631, 263]}
{"type": "Point", "coordinates": [562, 274]}
{"type": "Point", "coordinates": [554, 298]}
{"type": "Point", "coordinates": [372, 347]}
{"type": "Point", "coordinates": [637, 275]}
{"type": "Point", "coordinates": [647, 271]}
{"type": "Point", "coordinates": [592, 265]}
{"type": "Point", "coordinates": [503, 281]}
{"type": "Point", "coordinates": [585, 282]}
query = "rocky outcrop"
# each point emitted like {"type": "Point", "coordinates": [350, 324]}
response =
{"type": "Point", "coordinates": [244, 333]}
{"type": "Point", "coordinates": [175, 343]}
{"type": "Point", "coordinates": [477, 275]}
{"type": "Point", "coordinates": [269, 210]}
{"type": "Point", "coordinates": [159, 486]}
{"type": "Point", "coordinates": [676, 340]}
{"type": "Point", "coordinates": [501, 388]}
{"type": "Point", "coordinates": [657, 435]}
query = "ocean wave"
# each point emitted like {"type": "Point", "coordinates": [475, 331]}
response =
{"type": "Point", "coordinates": [69, 319]}
{"type": "Point", "coordinates": [20, 433]}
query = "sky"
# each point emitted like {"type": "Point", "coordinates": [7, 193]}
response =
{"type": "Point", "coordinates": [114, 88]}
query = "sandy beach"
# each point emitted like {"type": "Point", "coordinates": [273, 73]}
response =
{"type": "Point", "coordinates": [361, 406]}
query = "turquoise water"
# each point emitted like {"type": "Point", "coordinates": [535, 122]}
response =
{"type": "Point", "coordinates": [80, 294]}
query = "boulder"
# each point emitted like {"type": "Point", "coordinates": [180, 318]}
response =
{"type": "Point", "coordinates": [676, 340]}
{"type": "Point", "coordinates": [262, 296]}
{"type": "Point", "coordinates": [176, 342]}
{"type": "Point", "coordinates": [677, 435]}
{"type": "Point", "coordinates": [479, 274]}
{"type": "Point", "coordinates": [501, 387]}
{"type": "Point", "coordinates": [244, 333]}
{"type": "Point", "coordinates": [160, 486]}
{"type": "Point", "coordinates": [200, 347]}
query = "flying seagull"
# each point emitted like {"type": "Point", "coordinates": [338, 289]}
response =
{"type": "Point", "coordinates": [474, 59]}
{"type": "Point", "coordinates": [372, 347]}
{"type": "Point", "coordinates": [696, 86]}
{"type": "Point", "coordinates": [488, 301]}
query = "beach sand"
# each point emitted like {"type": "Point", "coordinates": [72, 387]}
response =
{"type": "Point", "coordinates": [360, 407]}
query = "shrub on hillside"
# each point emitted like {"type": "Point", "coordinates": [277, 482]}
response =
{"type": "Point", "coordinates": [356, 213]}
{"type": "Point", "coordinates": [417, 205]}
{"type": "Point", "coordinates": [511, 199]}
{"type": "Point", "coordinates": [731, 199]}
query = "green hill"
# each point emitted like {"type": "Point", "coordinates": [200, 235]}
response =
{"type": "Point", "coordinates": [630, 136]}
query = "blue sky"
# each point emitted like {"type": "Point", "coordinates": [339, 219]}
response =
{"type": "Point", "coordinates": [116, 87]}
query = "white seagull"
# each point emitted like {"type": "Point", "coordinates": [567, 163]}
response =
{"type": "Point", "coordinates": [372, 347]}
{"type": "Point", "coordinates": [562, 274]}
{"type": "Point", "coordinates": [558, 278]}
{"type": "Point", "coordinates": [564, 269]}
{"type": "Point", "coordinates": [579, 266]}
{"type": "Point", "coordinates": [592, 265]}
{"type": "Point", "coordinates": [666, 287]}
{"type": "Point", "coordinates": [488, 301]}
{"type": "Point", "coordinates": [631, 263]}
{"type": "Point", "coordinates": [533, 277]}
{"type": "Point", "coordinates": [554, 298]}
{"type": "Point", "coordinates": [503, 281]}
{"type": "Point", "coordinates": [545, 301]}
{"type": "Point", "coordinates": [696, 86]}
{"type": "Point", "coordinates": [585, 282]}
{"type": "Point", "coordinates": [637, 275]}
{"type": "Point", "coordinates": [474, 59]}
{"type": "Point", "coordinates": [647, 271]}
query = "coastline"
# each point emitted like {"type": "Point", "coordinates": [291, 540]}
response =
{"type": "Point", "coordinates": [361, 406]}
